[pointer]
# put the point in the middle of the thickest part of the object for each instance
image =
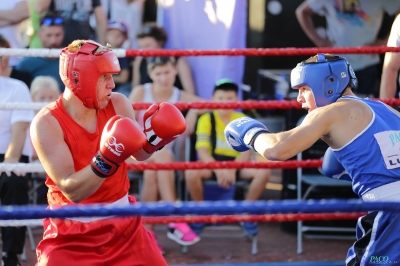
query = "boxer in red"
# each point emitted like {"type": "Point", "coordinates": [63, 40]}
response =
{"type": "Point", "coordinates": [83, 140]}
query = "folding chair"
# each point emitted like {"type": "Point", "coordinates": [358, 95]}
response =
{"type": "Point", "coordinates": [212, 192]}
{"type": "Point", "coordinates": [314, 182]}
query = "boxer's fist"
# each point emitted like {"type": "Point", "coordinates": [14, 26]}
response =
{"type": "Point", "coordinates": [331, 167]}
{"type": "Point", "coordinates": [242, 132]}
{"type": "Point", "coordinates": [162, 124]}
{"type": "Point", "coordinates": [120, 139]}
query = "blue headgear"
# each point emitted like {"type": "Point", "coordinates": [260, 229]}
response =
{"type": "Point", "coordinates": [326, 78]}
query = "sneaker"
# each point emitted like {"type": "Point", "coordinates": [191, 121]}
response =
{"type": "Point", "coordinates": [182, 234]}
{"type": "Point", "coordinates": [250, 228]}
{"type": "Point", "coordinates": [197, 228]}
{"type": "Point", "coordinates": [11, 259]}
{"type": "Point", "coordinates": [153, 234]}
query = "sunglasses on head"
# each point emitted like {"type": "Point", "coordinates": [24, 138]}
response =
{"type": "Point", "coordinates": [52, 21]}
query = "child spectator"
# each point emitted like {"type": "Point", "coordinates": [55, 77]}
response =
{"type": "Point", "coordinates": [116, 35]}
{"type": "Point", "coordinates": [209, 150]}
{"type": "Point", "coordinates": [44, 89]}
{"type": "Point", "coordinates": [162, 70]}
{"type": "Point", "coordinates": [154, 37]}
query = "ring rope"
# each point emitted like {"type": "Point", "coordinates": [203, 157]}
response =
{"type": "Point", "coordinates": [245, 105]}
{"type": "Point", "coordinates": [289, 164]}
{"type": "Point", "coordinates": [218, 218]}
{"type": "Point", "coordinates": [253, 218]}
{"type": "Point", "coordinates": [195, 208]}
{"type": "Point", "coordinates": [43, 52]}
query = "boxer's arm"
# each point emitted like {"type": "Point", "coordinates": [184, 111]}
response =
{"type": "Point", "coordinates": [284, 145]}
{"type": "Point", "coordinates": [124, 107]}
{"type": "Point", "coordinates": [56, 158]}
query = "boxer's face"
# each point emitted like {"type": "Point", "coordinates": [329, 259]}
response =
{"type": "Point", "coordinates": [306, 98]}
{"type": "Point", "coordinates": [104, 87]}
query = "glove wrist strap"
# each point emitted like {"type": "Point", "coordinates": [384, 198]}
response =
{"type": "Point", "coordinates": [103, 167]}
{"type": "Point", "coordinates": [251, 135]}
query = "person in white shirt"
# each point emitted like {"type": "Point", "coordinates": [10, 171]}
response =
{"type": "Point", "coordinates": [15, 146]}
{"type": "Point", "coordinates": [351, 24]}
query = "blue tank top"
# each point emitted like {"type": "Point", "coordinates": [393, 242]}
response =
{"type": "Point", "coordinates": [372, 158]}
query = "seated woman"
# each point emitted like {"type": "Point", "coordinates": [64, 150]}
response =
{"type": "Point", "coordinates": [162, 71]}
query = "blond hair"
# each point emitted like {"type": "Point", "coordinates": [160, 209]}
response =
{"type": "Point", "coordinates": [44, 82]}
{"type": "Point", "coordinates": [77, 44]}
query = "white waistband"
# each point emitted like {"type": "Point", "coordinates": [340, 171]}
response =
{"type": "Point", "coordinates": [122, 202]}
{"type": "Point", "coordinates": [388, 192]}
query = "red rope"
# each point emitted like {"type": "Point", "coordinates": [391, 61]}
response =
{"type": "Point", "coordinates": [266, 51]}
{"type": "Point", "coordinates": [288, 104]}
{"type": "Point", "coordinates": [290, 164]}
{"type": "Point", "coordinates": [252, 218]}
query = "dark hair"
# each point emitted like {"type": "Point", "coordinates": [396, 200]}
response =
{"type": "Point", "coordinates": [3, 42]}
{"type": "Point", "coordinates": [226, 84]}
{"type": "Point", "coordinates": [328, 57]}
{"type": "Point", "coordinates": [153, 31]}
{"type": "Point", "coordinates": [51, 19]}
{"type": "Point", "coordinates": [152, 62]}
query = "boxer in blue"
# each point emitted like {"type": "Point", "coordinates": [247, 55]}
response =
{"type": "Point", "coordinates": [364, 140]}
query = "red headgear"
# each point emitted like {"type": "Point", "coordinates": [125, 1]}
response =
{"type": "Point", "coordinates": [80, 70]}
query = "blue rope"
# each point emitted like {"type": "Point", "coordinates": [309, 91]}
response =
{"type": "Point", "coordinates": [203, 208]}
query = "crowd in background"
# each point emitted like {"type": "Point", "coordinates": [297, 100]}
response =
{"type": "Point", "coordinates": [121, 24]}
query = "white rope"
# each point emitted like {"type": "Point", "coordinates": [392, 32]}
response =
{"type": "Point", "coordinates": [22, 167]}
{"type": "Point", "coordinates": [22, 106]}
{"type": "Point", "coordinates": [43, 52]}
{"type": "Point", "coordinates": [17, 223]}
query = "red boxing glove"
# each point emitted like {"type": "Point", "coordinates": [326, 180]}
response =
{"type": "Point", "coordinates": [120, 139]}
{"type": "Point", "coordinates": [162, 124]}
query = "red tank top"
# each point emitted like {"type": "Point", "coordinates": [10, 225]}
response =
{"type": "Point", "coordinates": [83, 146]}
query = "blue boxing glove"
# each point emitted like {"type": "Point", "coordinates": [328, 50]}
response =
{"type": "Point", "coordinates": [242, 132]}
{"type": "Point", "coordinates": [332, 168]}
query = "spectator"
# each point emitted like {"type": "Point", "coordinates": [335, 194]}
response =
{"type": "Point", "coordinates": [51, 33]}
{"type": "Point", "coordinates": [12, 13]}
{"type": "Point", "coordinates": [44, 89]}
{"type": "Point", "coordinates": [154, 37]}
{"type": "Point", "coordinates": [391, 64]}
{"type": "Point", "coordinates": [76, 16]}
{"type": "Point", "coordinates": [349, 24]}
{"type": "Point", "coordinates": [162, 70]}
{"type": "Point", "coordinates": [15, 147]}
{"type": "Point", "coordinates": [130, 11]}
{"type": "Point", "coordinates": [7, 71]}
{"type": "Point", "coordinates": [117, 34]}
{"type": "Point", "coordinates": [209, 150]}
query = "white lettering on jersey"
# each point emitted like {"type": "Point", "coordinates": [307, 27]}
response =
{"type": "Point", "coordinates": [389, 144]}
